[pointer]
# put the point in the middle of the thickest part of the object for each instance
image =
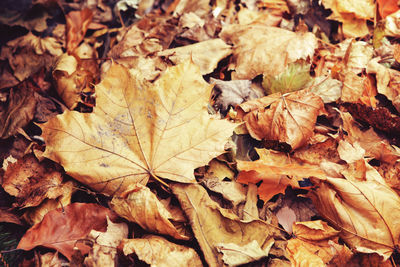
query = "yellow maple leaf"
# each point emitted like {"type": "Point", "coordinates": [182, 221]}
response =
{"type": "Point", "coordinates": [139, 130]}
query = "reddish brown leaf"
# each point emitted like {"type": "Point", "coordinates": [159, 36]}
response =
{"type": "Point", "coordinates": [60, 229]}
{"type": "Point", "coordinates": [77, 25]}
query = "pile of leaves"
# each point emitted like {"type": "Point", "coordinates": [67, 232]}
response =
{"type": "Point", "coordinates": [197, 132]}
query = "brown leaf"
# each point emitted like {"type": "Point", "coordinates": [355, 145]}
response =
{"type": "Point", "coordinates": [16, 109]}
{"type": "Point", "coordinates": [77, 25]}
{"type": "Point", "coordinates": [270, 52]}
{"type": "Point", "coordinates": [213, 225]}
{"type": "Point", "coordinates": [29, 53]}
{"type": "Point", "coordinates": [234, 255]}
{"type": "Point", "coordinates": [316, 244]}
{"type": "Point", "coordinates": [157, 251]}
{"type": "Point", "coordinates": [274, 169]}
{"type": "Point", "coordinates": [139, 205]}
{"type": "Point", "coordinates": [139, 130]}
{"type": "Point", "coordinates": [31, 181]}
{"type": "Point", "coordinates": [61, 228]}
{"type": "Point", "coordinates": [366, 212]}
{"type": "Point", "coordinates": [9, 217]}
{"type": "Point", "coordinates": [288, 118]}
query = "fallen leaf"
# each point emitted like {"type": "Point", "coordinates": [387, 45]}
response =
{"type": "Point", "coordinates": [270, 53]}
{"type": "Point", "coordinates": [230, 190]}
{"type": "Point", "coordinates": [139, 205]}
{"type": "Point", "coordinates": [158, 251]}
{"type": "Point", "coordinates": [29, 53]}
{"type": "Point", "coordinates": [387, 7]}
{"type": "Point", "coordinates": [288, 118]}
{"type": "Point", "coordinates": [234, 255]}
{"type": "Point", "coordinates": [77, 25]}
{"type": "Point", "coordinates": [205, 214]}
{"type": "Point", "coordinates": [61, 228]}
{"type": "Point", "coordinates": [273, 169]}
{"type": "Point", "coordinates": [231, 93]}
{"type": "Point", "coordinates": [204, 54]}
{"type": "Point", "coordinates": [327, 88]}
{"type": "Point", "coordinates": [16, 109]}
{"type": "Point", "coordinates": [286, 218]}
{"type": "Point", "coordinates": [366, 212]}
{"type": "Point", "coordinates": [31, 181]}
{"type": "Point", "coordinates": [139, 130]}
{"type": "Point", "coordinates": [391, 24]}
{"type": "Point", "coordinates": [353, 14]}
{"type": "Point", "coordinates": [104, 250]}
{"type": "Point", "coordinates": [316, 244]}
{"type": "Point", "coordinates": [9, 217]}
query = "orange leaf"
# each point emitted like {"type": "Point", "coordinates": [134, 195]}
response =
{"type": "Point", "coordinates": [77, 25]}
{"type": "Point", "coordinates": [387, 7]}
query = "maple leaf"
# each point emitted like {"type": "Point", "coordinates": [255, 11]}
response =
{"type": "Point", "coordinates": [139, 130]}
{"type": "Point", "coordinates": [288, 118]}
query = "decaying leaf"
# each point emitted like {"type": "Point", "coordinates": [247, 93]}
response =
{"type": "Point", "coordinates": [270, 52]}
{"type": "Point", "coordinates": [157, 251]}
{"type": "Point", "coordinates": [31, 181]}
{"type": "Point", "coordinates": [205, 214]}
{"type": "Point", "coordinates": [16, 109]}
{"type": "Point", "coordinates": [77, 220]}
{"type": "Point", "coordinates": [77, 25]}
{"type": "Point", "coordinates": [288, 118]}
{"type": "Point", "coordinates": [273, 169]}
{"type": "Point", "coordinates": [366, 212]}
{"type": "Point", "coordinates": [139, 205]}
{"type": "Point", "coordinates": [139, 130]}
{"type": "Point", "coordinates": [232, 93]}
{"type": "Point", "coordinates": [316, 244]}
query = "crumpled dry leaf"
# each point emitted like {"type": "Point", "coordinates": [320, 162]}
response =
{"type": "Point", "coordinates": [327, 88]}
{"type": "Point", "coordinates": [353, 14]}
{"type": "Point", "coordinates": [61, 228]}
{"type": "Point", "coordinates": [157, 251]}
{"type": "Point", "coordinates": [77, 25]}
{"type": "Point", "coordinates": [316, 244]}
{"type": "Point", "coordinates": [366, 212]}
{"type": "Point", "coordinates": [373, 145]}
{"type": "Point", "coordinates": [204, 54]}
{"type": "Point", "coordinates": [29, 53]}
{"type": "Point", "coordinates": [31, 181]}
{"type": "Point", "coordinates": [205, 214]}
{"type": "Point", "coordinates": [105, 244]}
{"type": "Point", "coordinates": [288, 118]}
{"type": "Point", "coordinates": [234, 255]}
{"type": "Point", "coordinates": [274, 169]}
{"type": "Point", "coordinates": [270, 52]}
{"type": "Point", "coordinates": [9, 217]}
{"type": "Point", "coordinates": [139, 130]}
{"type": "Point", "coordinates": [17, 108]}
{"type": "Point", "coordinates": [232, 93]}
{"type": "Point", "coordinates": [139, 205]}
{"type": "Point", "coordinates": [230, 190]}
{"type": "Point", "coordinates": [392, 24]}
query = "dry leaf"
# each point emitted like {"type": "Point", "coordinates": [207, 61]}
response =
{"type": "Point", "coordinates": [31, 181]}
{"type": "Point", "coordinates": [387, 7]}
{"type": "Point", "coordinates": [157, 251]}
{"type": "Point", "coordinates": [204, 54]}
{"type": "Point", "coordinates": [353, 14]}
{"type": "Point", "coordinates": [270, 52]}
{"type": "Point", "coordinates": [232, 93]}
{"type": "Point", "coordinates": [327, 88]}
{"type": "Point", "coordinates": [17, 108]}
{"type": "Point", "coordinates": [139, 130]}
{"type": "Point", "coordinates": [366, 212]}
{"type": "Point", "coordinates": [105, 244]}
{"type": "Point", "coordinates": [61, 228]}
{"type": "Point", "coordinates": [288, 118]}
{"type": "Point", "coordinates": [234, 255]}
{"type": "Point", "coordinates": [213, 225]}
{"type": "Point", "coordinates": [230, 190]}
{"type": "Point", "coordinates": [139, 205]}
{"type": "Point", "coordinates": [286, 217]}
{"type": "Point", "coordinates": [77, 25]}
{"type": "Point", "coordinates": [29, 53]}
{"type": "Point", "coordinates": [274, 169]}
{"type": "Point", "coordinates": [316, 244]}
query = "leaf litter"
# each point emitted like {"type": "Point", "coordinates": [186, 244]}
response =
{"type": "Point", "coordinates": [201, 133]}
